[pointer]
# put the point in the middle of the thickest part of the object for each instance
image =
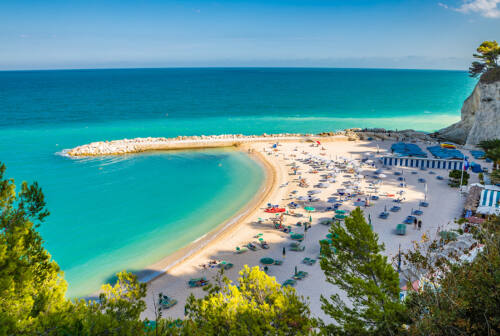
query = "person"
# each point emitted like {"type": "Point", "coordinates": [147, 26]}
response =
{"type": "Point", "coordinates": [419, 224]}
{"type": "Point", "coordinates": [266, 269]}
{"type": "Point", "coordinates": [284, 252]}
{"type": "Point", "coordinates": [414, 223]}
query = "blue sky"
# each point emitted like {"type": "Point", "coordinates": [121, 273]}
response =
{"type": "Point", "coordinates": [161, 33]}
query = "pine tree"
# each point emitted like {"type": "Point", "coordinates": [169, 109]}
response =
{"type": "Point", "coordinates": [366, 277]}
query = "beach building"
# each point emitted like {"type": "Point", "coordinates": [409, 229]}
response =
{"type": "Point", "coordinates": [489, 204]}
{"type": "Point", "coordinates": [417, 162]}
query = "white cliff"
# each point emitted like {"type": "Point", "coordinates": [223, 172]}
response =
{"type": "Point", "coordinates": [480, 116]}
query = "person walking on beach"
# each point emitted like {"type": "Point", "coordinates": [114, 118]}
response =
{"type": "Point", "coordinates": [284, 251]}
{"type": "Point", "coordinates": [419, 224]}
{"type": "Point", "coordinates": [414, 223]}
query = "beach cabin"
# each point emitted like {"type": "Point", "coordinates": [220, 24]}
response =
{"type": "Point", "coordinates": [490, 201]}
{"type": "Point", "coordinates": [423, 163]}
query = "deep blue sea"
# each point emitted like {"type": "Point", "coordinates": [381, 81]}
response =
{"type": "Point", "coordinates": [115, 213]}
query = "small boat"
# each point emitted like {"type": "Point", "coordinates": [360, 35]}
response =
{"type": "Point", "coordinates": [252, 246]}
{"type": "Point", "coordinates": [166, 302]}
{"type": "Point", "coordinates": [448, 145]}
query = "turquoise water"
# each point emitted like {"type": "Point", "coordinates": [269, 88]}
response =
{"type": "Point", "coordinates": [110, 214]}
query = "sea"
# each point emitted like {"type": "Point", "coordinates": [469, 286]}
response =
{"type": "Point", "coordinates": [116, 213]}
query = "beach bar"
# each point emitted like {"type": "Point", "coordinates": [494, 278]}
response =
{"type": "Point", "coordinates": [422, 162]}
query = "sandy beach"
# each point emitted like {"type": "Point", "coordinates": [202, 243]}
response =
{"type": "Point", "coordinates": [282, 187]}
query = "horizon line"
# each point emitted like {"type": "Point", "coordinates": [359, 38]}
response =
{"type": "Point", "coordinates": [226, 67]}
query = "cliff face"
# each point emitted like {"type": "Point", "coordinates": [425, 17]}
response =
{"type": "Point", "coordinates": [480, 116]}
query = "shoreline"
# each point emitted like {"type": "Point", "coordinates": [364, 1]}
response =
{"type": "Point", "coordinates": [185, 254]}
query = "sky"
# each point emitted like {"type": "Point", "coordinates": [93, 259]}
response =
{"type": "Point", "coordinates": [416, 34]}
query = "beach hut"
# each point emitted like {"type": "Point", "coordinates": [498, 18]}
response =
{"type": "Point", "coordinates": [490, 200]}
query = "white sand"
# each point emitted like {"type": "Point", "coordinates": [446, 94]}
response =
{"type": "Point", "coordinates": [445, 206]}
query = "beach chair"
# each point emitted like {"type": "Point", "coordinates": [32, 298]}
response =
{"type": "Point", "coordinates": [166, 302]}
{"type": "Point", "coordinates": [300, 275]}
{"type": "Point", "coordinates": [383, 215]}
{"type": "Point", "coordinates": [297, 247]}
{"type": "Point", "coordinates": [424, 204]}
{"type": "Point", "coordinates": [225, 266]}
{"type": "Point", "coordinates": [241, 249]}
{"type": "Point", "coordinates": [197, 282]}
{"type": "Point", "coordinates": [309, 261]}
{"type": "Point", "coordinates": [251, 247]}
{"type": "Point", "coordinates": [395, 208]}
{"type": "Point", "coordinates": [289, 282]}
{"type": "Point", "coordinates": [440, 178]}
{"type": "Point", "coordinates": [264, 244]}
{"type": "Point", "coordinates": [421, 180]}
{"type": "Point", "coordinates": [417, 212]}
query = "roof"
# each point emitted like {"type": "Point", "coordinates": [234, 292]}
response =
{"type": "Point", "coordinates": [472, 200]}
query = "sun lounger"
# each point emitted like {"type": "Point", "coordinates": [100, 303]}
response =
{"type": "Point", "coordinates": [264, 244]}
{"type": "Point", "coordinates": [417, 212]}
{"type": "Point", "coordinates": [197, 282]}
{"type": "Point", "coordinates": [424, 204]}
{"type": "Point", "coordinates": [241, 249]}
{"type": "Point", "coordinates": [309, 261]}
{"type": "Point", "coordinates": [395, 208]}
{"type": "Point", "coordinates": [225, 266]}
{"type": "Point", "coordinates": [289, 282]}
{"type": "Point", "coordinates": [300, 275]}
{"type": "Point", "coordinates": [251, 247]}
{"type": "Point", "coordinates": [384, 215]}
{"type": "Point", "coordinates": [297, 247]}
{"type": "Point", "coordinates": [166, 302]}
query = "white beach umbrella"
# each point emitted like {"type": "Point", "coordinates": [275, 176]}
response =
{"type": "Point", "coordinates": [382, 175]}
{"type": "Point", "coordinates": [323, 185]}
{"type": "Point", "coordinates": [315, 191]}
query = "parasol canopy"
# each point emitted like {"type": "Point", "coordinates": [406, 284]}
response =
{"type": "Point", "coordinates": [267, 261]}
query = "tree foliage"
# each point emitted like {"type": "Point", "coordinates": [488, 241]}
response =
{"type": "Point", "coordinates": [257, 305]}
{"type": "Point", "coordinates": [487, 55]}
{"type": "Point", "coordinates": [461, 298]}
{"type": "Point", "coordinates": [369, 281]}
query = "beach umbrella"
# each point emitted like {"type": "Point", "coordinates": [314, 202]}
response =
{"type": "Point", "coordinates": [340, 212]}
{"type": "Point", "coordinates": [315, 191]}
{"type": "Point", "coordinates": [267, 261]}
{"type": "Point", "coordinates": [340, 216]}
{"type": "Point", "coordinates": [382, 175]}
{"type": "Point", "coordinates": [302, 198]}
{"type": "Point", "coordinates": [308, 208]}
{"type": "Point", "coordinates": [297, 236]}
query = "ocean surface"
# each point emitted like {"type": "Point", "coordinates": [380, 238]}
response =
{"type": "Point", "coordinates": [114, 213]}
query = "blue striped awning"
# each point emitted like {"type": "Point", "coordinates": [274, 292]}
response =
{"type": "Point", "coordinates": [489, 202]}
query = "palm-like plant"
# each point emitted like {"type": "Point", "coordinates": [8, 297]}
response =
{"type": "Point", "coordinates": [487, 145]}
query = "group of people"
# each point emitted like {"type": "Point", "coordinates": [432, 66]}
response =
{"type": "Point", "coordinates": [417, 224]}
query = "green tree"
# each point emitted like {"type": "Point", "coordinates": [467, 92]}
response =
{"type": "Point", "coordinates": [456, 175]}
{"type": "Point", "coordinates": [32, 288]}
{"type": "Point", "coordinates": [31, 284]}
{"type": "Point", "coordinates": [460, 298]}
{"type": "Point", "coordinates": [487, 55]}
{"type": "Point", "coordinates": [257, 305]}
{"type": "Point", "coordinates": [486, 145]}
{"type": "Point", "coordinates": [366, 277]}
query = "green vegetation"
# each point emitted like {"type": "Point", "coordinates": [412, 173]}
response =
{"type": "Point", "coordinates": [460, 298]}
{"type": "Point", "coordinates": [492, 149]}
{"type": "Point", "coordinates": [369, 280]}
{"type": "Point", "coordinates": [487, 54]}
{"type": "Point", "coordinates": [455, 177]}
{"type": "Point", "coordinates": [257, 305]}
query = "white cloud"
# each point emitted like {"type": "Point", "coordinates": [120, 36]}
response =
{"type": "Point", "coordinates": [486, 8]}
{"type": "Point", "coordinates": [443, 5]}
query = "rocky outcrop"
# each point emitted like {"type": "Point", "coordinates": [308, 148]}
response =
{"type": "Point", "coordinates": [480, 116]}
